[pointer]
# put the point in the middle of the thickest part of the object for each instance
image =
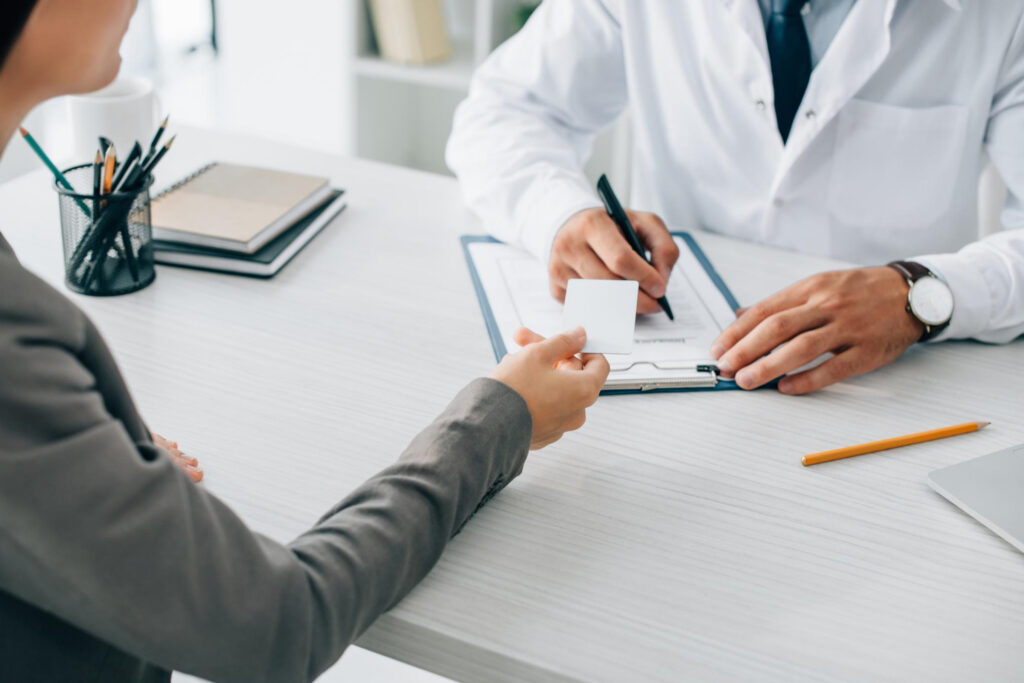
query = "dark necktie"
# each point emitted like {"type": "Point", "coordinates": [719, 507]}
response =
{"type": "Point", "coordinates": [791, 59]}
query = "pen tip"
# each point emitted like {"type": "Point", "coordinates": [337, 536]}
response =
{"type": "Point", "coordinates": [166, 119]}
{"type": "Point", "coordinates": [24, 132]}
{"type": "Point", "coordinates": [170, 142]}
{"type": "Point", "coordinates": [99, 157]}
{"type": "Point", "coordinates": [982, 425]}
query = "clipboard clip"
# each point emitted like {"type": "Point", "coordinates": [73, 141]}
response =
{"type": "Point", "coordinates": [713, 369]}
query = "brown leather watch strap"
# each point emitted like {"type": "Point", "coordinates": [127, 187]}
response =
{"type": "Point", "coordinates": [912, 272]}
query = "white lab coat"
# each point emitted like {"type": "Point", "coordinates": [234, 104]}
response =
{"type": "Point", "coordinates": [882, 162]}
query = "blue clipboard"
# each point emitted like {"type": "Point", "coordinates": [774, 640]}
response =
{"type": "Point", "coordinates": [499, 345]}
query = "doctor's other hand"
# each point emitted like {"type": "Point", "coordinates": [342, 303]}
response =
{"type": "Point", "coordinates": [589, 245]}
{"type": "Point", "coordinates": [859, 315]}
{"type": "Point", "coordinates": [557, 385]}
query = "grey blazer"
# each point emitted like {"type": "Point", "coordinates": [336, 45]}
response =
{"type": "Point", "coordinates": [114, 566]}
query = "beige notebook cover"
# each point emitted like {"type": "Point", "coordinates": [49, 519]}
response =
{"type": "Point", "coordinates": [233, 207]}
{"type": "Point", "coordinates": [410, 31]}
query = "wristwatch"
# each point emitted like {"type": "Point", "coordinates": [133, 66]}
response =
{"type": "Point", "coordinates": [930, 300]}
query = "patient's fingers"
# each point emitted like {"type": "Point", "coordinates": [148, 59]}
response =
{"type": "Point", "coordinates": [525, 336]}
{"type": "Point", "coordinates": [596, 369]}
{"type": "Point", "coordinates": [189, 466]}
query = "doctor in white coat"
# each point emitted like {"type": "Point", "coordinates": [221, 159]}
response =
{"type": "Point", "coordinates": [854, 129]}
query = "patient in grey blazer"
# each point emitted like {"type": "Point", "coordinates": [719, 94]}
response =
{"type": "Point", "coordinates": [114, 564]}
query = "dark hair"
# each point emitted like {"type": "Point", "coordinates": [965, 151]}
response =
{"type": "Point", "coordinates": [12, 20]}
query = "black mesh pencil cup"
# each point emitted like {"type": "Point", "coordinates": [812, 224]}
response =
{"type": "Point", "coordinates": [108, 239]}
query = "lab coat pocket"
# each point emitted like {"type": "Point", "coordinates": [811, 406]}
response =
{"type": "Point", "coordinates": [895, 167]}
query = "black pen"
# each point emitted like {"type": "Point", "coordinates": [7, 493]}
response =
{"type": "Point", "coordinates": [152, 163]}
{"type": "Point", "coordinates": [156, 138]}
{"type": "Point", "coordinates": [618, 215]}
{"type": "Point", "coordinates": [135, 154]}
{"type": "Point", "coordinates": [97, 183]}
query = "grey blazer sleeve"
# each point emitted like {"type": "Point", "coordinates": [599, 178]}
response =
{"type": "Point", "coordinates": [101, 529]}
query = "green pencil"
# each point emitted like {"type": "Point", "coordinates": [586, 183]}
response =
{"type": "Point", "coordinates": [53, 168]}
{"type": "Point", "coordinates": [46, 160]}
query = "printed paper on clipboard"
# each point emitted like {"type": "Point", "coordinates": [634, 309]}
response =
{"type": "Point", "coordinates": [667, 355]}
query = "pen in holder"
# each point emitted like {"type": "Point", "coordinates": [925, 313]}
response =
{"type": "Point", "coordinates": [108, 238]}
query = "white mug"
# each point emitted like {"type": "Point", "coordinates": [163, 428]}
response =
{"type": "Point", "coordinates": [125, 111]}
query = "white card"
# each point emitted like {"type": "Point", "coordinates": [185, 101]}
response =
{"type": "Point", "coordinates": [606, 309]}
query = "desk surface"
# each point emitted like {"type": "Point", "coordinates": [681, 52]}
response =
{"type": "Point", "coordinates": [675, 537]}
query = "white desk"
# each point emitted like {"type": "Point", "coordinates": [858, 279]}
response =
{"type": "Point", "coordinates": [676, 537]}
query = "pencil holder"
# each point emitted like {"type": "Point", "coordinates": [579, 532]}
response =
{"type": "Point", "coordinates": [108, 240]}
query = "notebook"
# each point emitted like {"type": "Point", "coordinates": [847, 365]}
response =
{"type": "Point", "coordinates": [234, 208]}
{"type": "Point", "coordinates": [264, 263]}
{"type": "Point", "coordinates": [512, 288]}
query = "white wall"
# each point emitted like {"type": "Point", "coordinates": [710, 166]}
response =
{"type": "Point", "coordinates": [279, 75]}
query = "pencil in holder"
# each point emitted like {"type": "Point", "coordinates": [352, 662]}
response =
{"type": "Point", "coordinates": [108, 239]}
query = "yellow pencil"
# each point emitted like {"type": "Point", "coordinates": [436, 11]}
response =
{"type": "Point", "coordinates": [108, 169]}
{"type": "Point", "coordinates": [895, 442]}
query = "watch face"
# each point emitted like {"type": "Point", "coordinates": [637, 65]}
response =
{"type": "Point", "coordinates": [931, 301]}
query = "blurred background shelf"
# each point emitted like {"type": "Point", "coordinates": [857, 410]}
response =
{"type": "Point", "coordinates": [452, 74]}
{"type": "Point", "coordinates": [320, 82]}
{"type": "Point", "coordinates": [402, 114]}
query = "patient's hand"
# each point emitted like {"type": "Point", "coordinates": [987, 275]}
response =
{"type": "Point", "coordinates": [557, 385]}
{"type": "Point", "coordinates": [860, 315]}
{"type": "Point", "coordinates": [190, 465]}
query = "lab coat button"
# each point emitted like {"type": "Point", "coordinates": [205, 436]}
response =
{"type": "Point", "coordinates": [778, 202]}
{"type": "Point", "coordinates": [810, 115]}
{"type": "Point", "coordinates": [761, 106]}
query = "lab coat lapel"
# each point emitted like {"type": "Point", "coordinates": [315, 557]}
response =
{"type": "Point", "coordinates": [747, 16]}
{"type": "Point", "coordinates": [855, 54]}
{"type": "Point", "coordinates": [753, 69]}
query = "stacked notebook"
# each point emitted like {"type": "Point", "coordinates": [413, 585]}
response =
{"type": "Point", "coordinates": [241, 219]}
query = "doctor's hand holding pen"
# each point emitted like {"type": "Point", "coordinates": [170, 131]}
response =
{"type": "Point", "coordinates": [590, 245]}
